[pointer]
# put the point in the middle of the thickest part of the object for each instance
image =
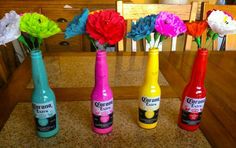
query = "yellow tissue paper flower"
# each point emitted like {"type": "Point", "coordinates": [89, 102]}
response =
{"type": "Point", "coordinates": [37, 25]}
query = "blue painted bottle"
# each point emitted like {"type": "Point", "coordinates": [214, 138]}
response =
{"type": "Point", "coordinates": [43, 99]}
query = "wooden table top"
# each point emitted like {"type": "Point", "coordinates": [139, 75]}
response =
{"type": "Point", "coordinates": [219, 118]}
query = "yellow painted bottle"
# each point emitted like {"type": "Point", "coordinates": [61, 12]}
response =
{"type": "Point", "coordinates": [150, 92]}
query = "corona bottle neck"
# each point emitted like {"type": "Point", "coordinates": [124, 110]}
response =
{"type": "Point", "coordinates": [152, 69]}
{"type": "Point", "coordinates": [38, 70]}
{"type": "Point", "coordinates": [101, 69]}
{"type": "Point", "coordinates": [199, 68]}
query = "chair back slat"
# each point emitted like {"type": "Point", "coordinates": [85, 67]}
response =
{"type": "Point", "coordinates": [173, 44]}
{"type": "Point", "coordinates": [135, 11]}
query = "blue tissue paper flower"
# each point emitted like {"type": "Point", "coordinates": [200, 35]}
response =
{"type": "Point", "coordinates": [143, 27]}
{"type": "Point", "coordinates": [77, 25]}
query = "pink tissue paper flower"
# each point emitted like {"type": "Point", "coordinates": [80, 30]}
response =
{"type": "Point", "coordinates": [169, 25]}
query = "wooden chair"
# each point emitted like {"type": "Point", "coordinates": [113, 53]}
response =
{"type": "Point", "coordinates": [133, 12]}
{"type": "Point", "coordinates": [230, 43]}
{"type": "Point", "coordinates": [3, 69]}
{"type": "Point", "coordinates": [8, 62]}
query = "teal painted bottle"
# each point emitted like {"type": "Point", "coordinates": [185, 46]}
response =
{"type": "Point", "coordinates": [43, 99]}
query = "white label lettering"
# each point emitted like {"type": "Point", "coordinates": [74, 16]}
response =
{"type": "Point", "coordinates": [147, 103]}
{"type": "Point", "coordinates": [103, 108]}
{"type": "Point", "coordinates": [44, 110]}
{"type": "Point", "coordinates": [193, 105]}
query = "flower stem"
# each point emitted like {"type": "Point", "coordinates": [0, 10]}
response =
{"type": "Point", "coordinates": [198, 41]}
{"type": "Point", "coordinates": [148, 39]}
{"type": "Point", "coordinates": [92, 41]}
{"type": "Point", "coordinates": [156, 38]}
{"type": "Point", "coordinates": [94, 44]}
{"type": "Point", "coordinates": [160, 40]}
{"type": "Point", "coordinates": [39, 42]}
{"type": "Point", "coordinates": [39, 46]}
{"type": "Point", "coordinates": [32, 39]}
{"type": "Point", "coordinates": [213, 38]}
{"type": "Point", "coordinates": [157, 41]}
{"type": "Point", "coordinates": [22, 40]}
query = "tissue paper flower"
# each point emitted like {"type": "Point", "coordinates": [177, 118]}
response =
{"type": "Point", "coordinates": [38, 25]}
{"type": "Point", "coordinates": [106, 26]}
{"type": "Point", "coordinates": [196, 29]}
{"type": "Point", "coordinates": [77, 25]}
{"type": "Point", "coordinates": [9, 27]}
{"type": "Point", "coordinates": [221, 23]}
{"type": "Point", "coordinates": [143, 27]}
{"type": "Point", "coordinates": [210, 11]}
{"type": "Point", "coordinates": [169, 25]}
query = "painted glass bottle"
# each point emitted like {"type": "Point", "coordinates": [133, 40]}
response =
{"type": "Point", "coordinates": [150, 92]}
{"type": "Point", "coordinates": [101, 97]}
{"type": "Point", "coordinates": [194, 95]}
{"type": "Point", "coordinates": [43, 99]}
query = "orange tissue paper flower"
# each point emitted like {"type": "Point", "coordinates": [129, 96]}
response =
{"type": "Point", "coordinates": [197, 28]}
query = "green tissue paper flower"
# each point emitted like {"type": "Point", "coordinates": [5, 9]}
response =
{"type": "Point", "coordinates": [38, 25]}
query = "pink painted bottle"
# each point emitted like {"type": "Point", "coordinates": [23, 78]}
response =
{"type": "Point", "coordinates": [101, 97]}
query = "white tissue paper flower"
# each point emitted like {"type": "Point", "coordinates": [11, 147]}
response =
{"type": "Point", "coordinates": [221, 23]}
{"type": "Point", "coordinates": [9, 27]}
